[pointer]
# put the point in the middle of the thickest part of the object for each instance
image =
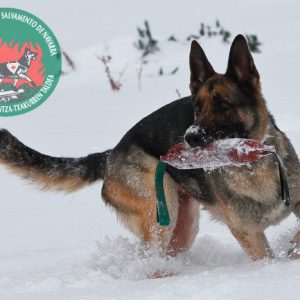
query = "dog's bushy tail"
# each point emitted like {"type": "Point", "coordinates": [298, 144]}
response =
{"type": "Point", "coordinates": [56, 173]}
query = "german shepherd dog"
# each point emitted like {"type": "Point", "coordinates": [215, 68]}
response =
{"type": "Point", "coordinates": [247, 200]}
{"type": "Point", "coordinates": [19, 68]}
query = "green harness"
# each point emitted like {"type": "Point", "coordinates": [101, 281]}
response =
{"type": "Point", "coordinates": [162, 213]}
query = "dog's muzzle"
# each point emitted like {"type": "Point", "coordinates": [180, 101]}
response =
{"type": "Point", "coordinates": [201, 136]}
{"type": "Point", "coordinates": [197, 136]}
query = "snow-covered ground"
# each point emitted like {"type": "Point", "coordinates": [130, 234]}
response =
{"type": "Point", "coordinates": [56, 246]}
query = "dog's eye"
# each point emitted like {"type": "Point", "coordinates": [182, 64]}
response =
{"type": "Point", "coordinates": [221, 103]}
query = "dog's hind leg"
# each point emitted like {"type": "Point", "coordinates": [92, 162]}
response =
{"type": "Point", "coordinates": [136, 207]}
{"type": "Point", "coordinates": [129, 187]}
{"type": "Point", "coordinates": [138, 214]}
{"type": "Point", "coordinates": [187, 225]}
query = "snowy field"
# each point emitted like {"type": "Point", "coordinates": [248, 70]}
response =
{"type": "Point", "coordinates": [56, 246]}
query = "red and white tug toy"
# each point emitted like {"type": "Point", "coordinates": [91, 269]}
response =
{"type": "Point", "coordinates": [227, 152]}
{"type": "Point", "coordinates": [220, 153]}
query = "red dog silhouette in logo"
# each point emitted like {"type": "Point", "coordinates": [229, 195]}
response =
{"type": "Point", "coordinates": [19, 68]}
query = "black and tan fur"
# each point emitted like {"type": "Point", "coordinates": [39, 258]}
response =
{"type": "Point", "coordinates": [247, 200]}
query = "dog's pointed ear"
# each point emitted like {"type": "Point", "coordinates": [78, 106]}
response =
{"type": "Point", "coordinates": [241, 65]}
{"type": "Point", "coordinates": [200, 67]}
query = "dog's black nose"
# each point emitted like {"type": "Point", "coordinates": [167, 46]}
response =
{"type": "Point", "coordinates": [193, 139]}
{"type": "Point", "coordinates": [197, 136]}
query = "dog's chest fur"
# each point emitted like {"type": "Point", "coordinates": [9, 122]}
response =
{"type": "Point", "coordinates": [252, 193]}
{"type": "Point", "coordinates": [259, 182]}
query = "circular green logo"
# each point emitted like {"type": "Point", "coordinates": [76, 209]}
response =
{"type": "Point", "coordinates": [30, 62]}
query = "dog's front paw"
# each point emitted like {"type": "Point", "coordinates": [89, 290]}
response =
{"type": "Point", "coordinates": [294, 253]}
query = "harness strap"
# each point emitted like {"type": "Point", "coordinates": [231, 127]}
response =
{"type": "Point", "coordinates": [285, 192]}
{"type": "Point", "coordinates": [162, 213]}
